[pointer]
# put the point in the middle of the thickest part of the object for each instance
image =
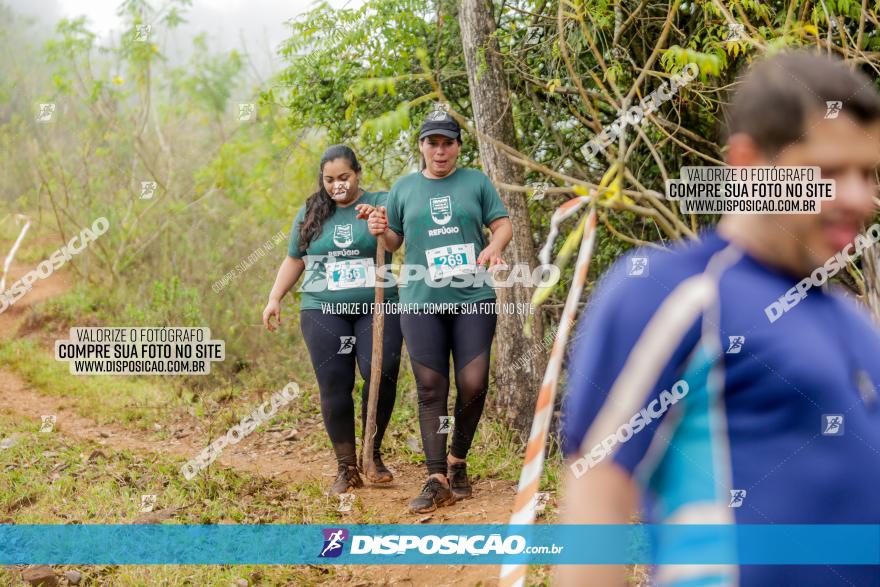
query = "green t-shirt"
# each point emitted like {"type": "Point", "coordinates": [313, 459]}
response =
{"type": "Point", "coordinates": [442, 223]}
{"type": "Point", "coordinates": [345, 247]}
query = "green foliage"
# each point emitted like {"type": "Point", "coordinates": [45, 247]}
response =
{"type": "Point", "coordinates": [359, 74]}
{"type": "Point", "coordinates": [168, 304]}
{"type": "Point", "coordinates": [388, 124]}
{"type": "Point", "coordinates": [677, 58]}
{"type": "Point", "coordinates": [214, 77]}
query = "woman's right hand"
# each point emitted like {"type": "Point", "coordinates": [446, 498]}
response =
{"type": "Point", "coordinates": [273, 308]}
{"type": "Point", "coordinates": [378, 221]}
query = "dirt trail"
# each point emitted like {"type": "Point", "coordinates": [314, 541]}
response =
{"type": "Point", "coordinates": [266, 454]}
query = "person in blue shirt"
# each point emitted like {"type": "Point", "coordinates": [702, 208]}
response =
{"type": "Point", "coordinates": [709, 384]}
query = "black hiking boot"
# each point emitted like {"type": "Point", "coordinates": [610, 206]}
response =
{"type": "Point", "coordinates": [458, 480]}
{"type": "Point", "coordinates": [347, 478]}
{"type": "Point", "coordinates": [434, 494]}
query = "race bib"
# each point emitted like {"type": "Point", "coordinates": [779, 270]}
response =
{"type": "Point", "coordinates": [451, 260]}
{"type": "Point", "coordinates": [350, 273]}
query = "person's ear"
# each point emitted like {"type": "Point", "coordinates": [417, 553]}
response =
{"type": "Point", "coordinates": [742, 151]}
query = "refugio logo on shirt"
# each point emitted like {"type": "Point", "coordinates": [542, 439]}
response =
{"type": "Point", "coordinates": [441, 209]}
{"type": "Point", "coordinates": [343, 235]}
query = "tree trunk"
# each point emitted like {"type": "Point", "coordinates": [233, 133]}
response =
{"type": "Point", "coordinates": [516, 388]}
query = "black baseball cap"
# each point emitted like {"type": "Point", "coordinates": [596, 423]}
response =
{"type": "Point", "coordinates": [439, 123]}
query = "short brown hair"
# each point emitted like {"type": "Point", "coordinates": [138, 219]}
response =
{"type": "Point", "coordinates": [775, 97]}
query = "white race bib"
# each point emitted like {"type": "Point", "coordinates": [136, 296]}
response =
{"type": "Point", "coordinates": [350, 273]}
{"type": "Point", "coordinates": [451, 260]}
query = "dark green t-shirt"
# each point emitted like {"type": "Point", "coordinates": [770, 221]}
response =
{"type": "Point", "coordinates": [442, 223]}
{"type": "Point", "coordinates": [345, 247]}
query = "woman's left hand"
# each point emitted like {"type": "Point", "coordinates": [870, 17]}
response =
{"type": "Point", "coordinates": [490, 255]}
{"type": "Point", "coordinates": [364, 211]}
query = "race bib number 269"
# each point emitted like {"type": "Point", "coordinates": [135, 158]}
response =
{"type": "Point", "coordinates": [451, 260]}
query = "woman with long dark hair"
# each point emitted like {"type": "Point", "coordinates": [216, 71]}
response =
{"type": "Point", "coordinates": [440, 212]}
{"type": "Point", "coordinates": [333, 249]}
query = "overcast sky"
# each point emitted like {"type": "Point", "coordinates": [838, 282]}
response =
{"type": "Point", "coordinates": [257, 25]}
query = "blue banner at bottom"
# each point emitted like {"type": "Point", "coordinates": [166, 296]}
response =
{"type": "Point", "coordinates": [440, 544]}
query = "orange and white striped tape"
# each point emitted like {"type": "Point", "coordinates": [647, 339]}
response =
{"type": "Point", "coordinates": [530, 478]}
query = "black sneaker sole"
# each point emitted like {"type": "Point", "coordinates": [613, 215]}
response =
{"type": "Point", "coordinates": [348, 489]}
{"type": "Point", "coordinates": [449, 501]}
{"type": "Point", "coordinates": [356, 485]}
{"type": "Point", "coordinates": [332, 493]}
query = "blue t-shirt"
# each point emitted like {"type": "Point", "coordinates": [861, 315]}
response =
{"type": "Point", "coordinates": [779, 422]}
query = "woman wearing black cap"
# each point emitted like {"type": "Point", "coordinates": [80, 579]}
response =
{"type": "Point", "coordinates": [331, 247]}
{"type": "Point", "coordinates": [440, 212]}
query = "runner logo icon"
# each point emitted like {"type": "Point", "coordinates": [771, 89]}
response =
{"type": "Point", "coordinates": [446, 424]}
{"type": "Point", "coordinates": [638, 266]}
{"type": "Point", "coordinates": [832, 424]}
{"type": "Point", "coordinates": [441, 209]}
{"type": "Point", "coordinates": [346, 345]}
{"type": "Point", "coordinates": [737, 496]}
{"type": "Point", "coordinates": [736, 344]}
{"type": "Point", "coordinates": [334, 540]}
{"type": "Point", "coordinates": [832, 108]}
{"type": "Point", "coordinates": [342, 235]}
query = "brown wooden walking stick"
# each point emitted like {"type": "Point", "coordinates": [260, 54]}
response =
{"type": "Point", "coordinates": [368, 466]}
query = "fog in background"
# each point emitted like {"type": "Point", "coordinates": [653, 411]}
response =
{"type": "Point", "coordinates": [256, 27]}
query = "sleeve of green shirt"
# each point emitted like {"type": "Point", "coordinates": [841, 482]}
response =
{"type": "Point", "coordinates": [293, 249]}
{"type": "Point", "coordinates": [395, 214]}
{"type": "Point", "coordinates": [493, 207]}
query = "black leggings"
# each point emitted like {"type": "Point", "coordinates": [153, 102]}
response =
{"type": "Point", "coordinates": [335, 372]}
{"type": "Point", "coordinates": [429, 339]}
